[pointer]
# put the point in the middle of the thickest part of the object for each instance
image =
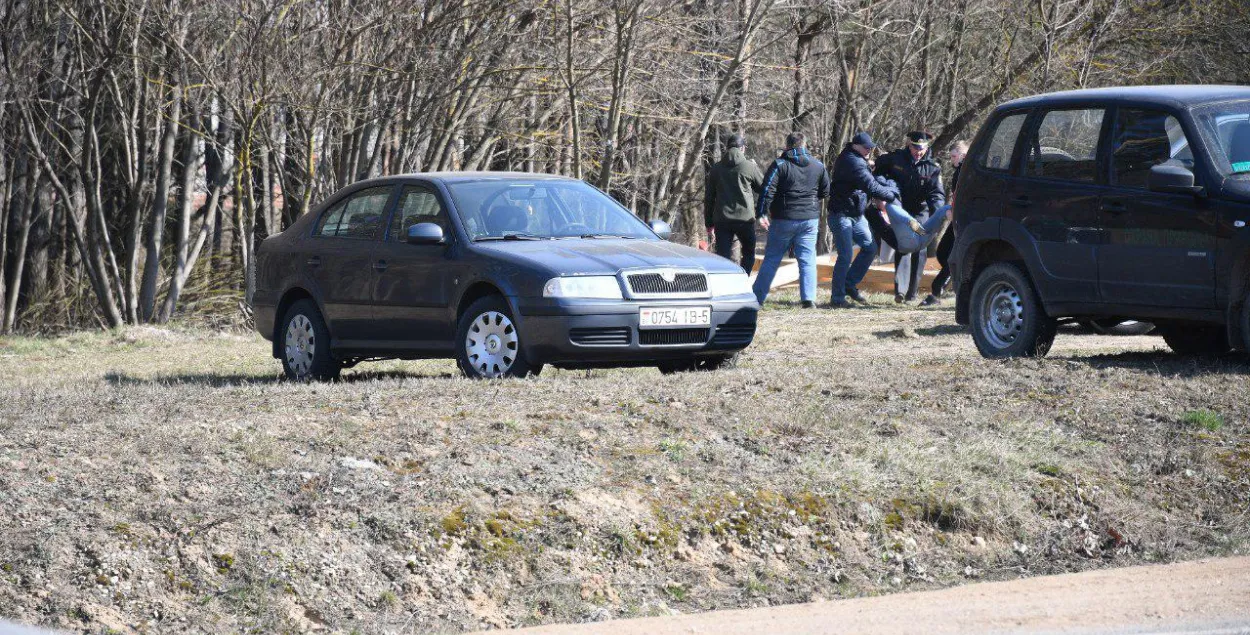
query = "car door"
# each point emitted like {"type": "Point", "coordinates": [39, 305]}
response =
{"type": "Point", "coordinates": [1056, 200]}
{"type": "Point", "coordinates": [1159, 249]}
{"type": "Point", "coordinates": [340, 260]}
{"type": "Point", "coordinates": [410, 287]}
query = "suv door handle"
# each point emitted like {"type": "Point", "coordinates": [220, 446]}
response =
{"type": "Point", "coordinates": [1021, 201]}
{"type": "Point", "coordinates": [379, 266]}
{"type": "Point", "coordinates": [314, 261]}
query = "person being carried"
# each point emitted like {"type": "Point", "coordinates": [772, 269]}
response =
{"type": "Point", "coordinates": [852, 185]}
{"type": "Point", "coordinates": [899, 229]}
{"type": "Point", "coordinates": [733, 183]}
{"type": "Point", "coordinates": [793, 187]}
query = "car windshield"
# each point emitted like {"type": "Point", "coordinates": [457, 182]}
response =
{"type": "Point", "coordinates": [1226, 129]}
{"type": "Point", "coordinates": [541, 209]}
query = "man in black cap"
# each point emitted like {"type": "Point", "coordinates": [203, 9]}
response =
{"type": "Point", "coordinates": [732, 185]}
{"type": "Point", "coordinates": [919, 180]}
{"type": "Point", "coordinates": [852, 185]}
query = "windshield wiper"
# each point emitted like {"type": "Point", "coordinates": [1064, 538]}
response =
{"type": "Point", "coordinates": [518, 236]}
{"type": "Point", "coordinates": [607, 236]}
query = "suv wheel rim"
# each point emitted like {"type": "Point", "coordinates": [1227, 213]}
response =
{"type": "Point", "coordinates": [1002, 315]}
{"type": "Point", "coordinates": [491, 344]}
{"type": "Point", "coordinates": [301, 345]}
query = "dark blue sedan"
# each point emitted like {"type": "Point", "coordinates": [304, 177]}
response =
{"type": "Point", "coordinates": [504, 272]}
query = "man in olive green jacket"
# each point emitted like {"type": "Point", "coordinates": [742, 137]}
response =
{"type": "Point", "coordinates": [733, 184]}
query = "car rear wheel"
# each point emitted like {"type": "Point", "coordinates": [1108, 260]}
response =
{"type": "Point", "coordinates": [489, 343]}
{"type": "Point", "coordinates": [1191, 339]}
{"type": "Point", "coordinates": [306, 344]}
{"type": "Point", "coordinates": [696, 364]}
{"type": "Point", "coordinates": [1007, 316]}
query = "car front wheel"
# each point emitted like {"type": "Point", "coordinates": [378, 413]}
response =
{"type": "Point", "coordinates": [1007, 316]}
{"type": "Point", "coordinates": [489, 343]}
{"type": "Point", "coordinates": [306, 344]}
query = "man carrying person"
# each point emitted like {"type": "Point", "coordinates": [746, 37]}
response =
{"type": "Point", "coordinates": [733, 183]}
{"type": "Point", "coordinates": [958, 151]}
{"type": "Point", "coordinates": [919, 181]}
{"type": "Point", "coordinates": [852, 185]}
{"type": "Point", "coordinates": [789, 208]}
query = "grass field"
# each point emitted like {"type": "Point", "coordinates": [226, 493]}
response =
{"type": "Point", "coordinates": [166, 480]}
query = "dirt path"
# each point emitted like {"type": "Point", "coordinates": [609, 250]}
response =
{"type": "Point", "coordinates": [1206, 596]}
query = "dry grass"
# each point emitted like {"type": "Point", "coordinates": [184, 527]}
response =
{"type": "Point", "coordinates": [165, 479]}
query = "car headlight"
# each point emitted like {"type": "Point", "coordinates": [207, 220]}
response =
{"type": "Point", "coordinates": [728, 284]}
{"type": "Point", "coordinates": [599, 287]}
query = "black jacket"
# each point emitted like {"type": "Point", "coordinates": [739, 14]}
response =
{"type": "Point", "coordinates": [732, 185]}
{"type": "Point", "coordinates": [920, 182]}
{"type": "Point", "coordinates": [793, 187]}
{"type": "Point", "coordinates": [853, 184]}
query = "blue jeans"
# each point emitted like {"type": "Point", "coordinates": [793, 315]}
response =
{"type": "Point", "coordinates": [849, 231]}
{"type": "Point", "coordinates": [782, 235]}
{"type": "Point", "coordinates": [909, 240]}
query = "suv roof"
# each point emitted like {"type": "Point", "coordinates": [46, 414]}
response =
{"type": "Point", "coordinates": [1177, 96]}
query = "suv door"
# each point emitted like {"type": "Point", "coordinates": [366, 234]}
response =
{"type": "Point", "coordinates": [1056, 200]}
{"type": "Point", "coordinates": [411, 290]}
{"type": "Point", "coordinates": [1159, 249]}
{"type": "Point", "coordinates": [339, 259]}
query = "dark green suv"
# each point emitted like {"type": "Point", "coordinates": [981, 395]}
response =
{"type": "Point", "coordinates": [1104, 205]}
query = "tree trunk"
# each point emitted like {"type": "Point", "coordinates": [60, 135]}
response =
{"type": "Point", "coordinates": [160, 207]}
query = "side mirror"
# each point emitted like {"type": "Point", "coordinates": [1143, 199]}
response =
{"type": "Point", "coordinates": [661, 229]}
{"type": "Point", "coordinates": [426, 234]}
{"type": "Point", "coordinates": [1172, 179]}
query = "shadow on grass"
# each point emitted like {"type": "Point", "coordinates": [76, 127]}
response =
{"type": "Point", "coordinates": [1168, 364]}
{"type": "Point", "coordinates": [231, 380]}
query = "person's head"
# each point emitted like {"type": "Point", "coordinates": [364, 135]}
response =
{"type": "Point", "coordinates": [735, 141]}
{"type": "Point", "coordinates": [958, 151]}
{"type": "Point", "coordinates": [862, 143]}
{"type": "Point", "coordinates": [918, 143]}
{"type": "Point", "coordinates": [795, 140]}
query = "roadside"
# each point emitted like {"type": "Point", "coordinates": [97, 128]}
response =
{"type": "Point", "coordinates": [1206, 596]}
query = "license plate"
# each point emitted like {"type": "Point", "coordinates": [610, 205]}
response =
{"type": "Point", "coordinates": [651, 317]}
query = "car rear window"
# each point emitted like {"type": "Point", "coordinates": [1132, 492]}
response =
{"type": "Point", "coordinates": [1065, 145]}
{"type": "Point", "coordinates": [998, 155]}
{"type": "Point", "coordinates": [358, 217]}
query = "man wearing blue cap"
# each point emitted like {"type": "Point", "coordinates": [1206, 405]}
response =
{"type": "Point", "coordinates": [852, 186]}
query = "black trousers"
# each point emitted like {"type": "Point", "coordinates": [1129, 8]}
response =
{"type": "Point", "coordinates": [909, 268]}
{"type": "Point", "coordinates": [726, 230]}
{"type": "Point", "coordinates": [944, 258]}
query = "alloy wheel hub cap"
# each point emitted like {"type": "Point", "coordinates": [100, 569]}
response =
{"type": "Point", "coordinates": [491, 344]}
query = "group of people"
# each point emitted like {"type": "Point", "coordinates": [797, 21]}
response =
{"type": "Point", "coordinates": [898, 200]}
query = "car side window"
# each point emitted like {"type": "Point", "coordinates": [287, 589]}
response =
{"type": "Point", "coordinates": [1144, 139]}
{"type": "Point", "coordinates": [998, 155]}
{"type": "Point", "coordinates": [1065, 145]}
{"type": "Point", "coordinates": [416, 205]}
{"type": "Point", "coordinates": [360, 216]}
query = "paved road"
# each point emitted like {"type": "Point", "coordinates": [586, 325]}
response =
{"type": "Point", "coordinates": [1206, 596]}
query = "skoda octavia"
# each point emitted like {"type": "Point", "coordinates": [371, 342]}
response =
{"type": "Point", "coordinates": [503, 272]}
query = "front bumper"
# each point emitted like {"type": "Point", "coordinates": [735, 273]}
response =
{"type": "Point", "coordinates": [596, 332]}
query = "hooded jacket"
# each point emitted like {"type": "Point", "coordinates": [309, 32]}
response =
{"type": "Point", "coordinates": [793, 187]}
{"type": "Point", "coordinates": [732, 185]}
{"type": "Point", "coordinates": [853, 184]}
{"type": "Point", "coordinates": [919, 181]}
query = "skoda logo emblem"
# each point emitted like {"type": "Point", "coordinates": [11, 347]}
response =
{"type": "Point", "coordinates": [668, 274]}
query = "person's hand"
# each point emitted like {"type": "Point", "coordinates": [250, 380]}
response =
{"type": "Point", "coordinates": [880, 205]}
{"type": "Point", "coordinates": [711, 236]}
{"type": "Point", "coordinates": [764, 223]}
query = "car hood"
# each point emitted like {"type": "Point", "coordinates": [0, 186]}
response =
{"type": "Point", "coordinates": [583, 256]}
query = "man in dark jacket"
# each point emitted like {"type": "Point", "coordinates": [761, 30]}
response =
{"type": "Point", "coordinates": [959, 150]}
{"type": "Point", "coordinates": [852, 185]}
{"type": "Point", "coordinates": [789, 208]}
{"type": "Point", "coordinates": [733, 183]}
{"type": "Point", "coordinates": [919, 179]}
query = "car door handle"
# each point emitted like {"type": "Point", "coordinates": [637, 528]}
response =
{"type": "Point", "coordinates": [379, 266]}
{"type": "Point", "coordinates": [1021, 201]}
{"type": "Point", "coordinates": [314, 261]}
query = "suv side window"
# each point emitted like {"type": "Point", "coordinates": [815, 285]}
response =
{"type": "Point", "coordinates": [998, 155]}
{"type": "Point", "coordinates": [358, 217]}
{"type": "Point", "coordinates": [416, 205]}
{"type": "Point", "coordinates": [1144, 139]}
{"type": "Point", "coordinates": [1065, 145]}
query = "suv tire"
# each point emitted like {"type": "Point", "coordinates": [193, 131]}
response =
{"type": "Point", "coordinates": [305, 344]}
{"type": "Point", "coordinates": [695, 364]}
{"type": "Point", "coordinates": [488, 343]}
{"type": "Point", "coordinates": [1007, 316]}
{"type": "Point", "coordinates": [1196, 339]}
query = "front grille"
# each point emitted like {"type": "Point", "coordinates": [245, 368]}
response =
{"type": "Point", "coordinates": [672, 337]}
{"type": "Point", "coordinates": [602, 336]}
{"type": "Point", "coordinates": [653, 284]}
{"type": "Point", "coordinates": [734, 334]}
